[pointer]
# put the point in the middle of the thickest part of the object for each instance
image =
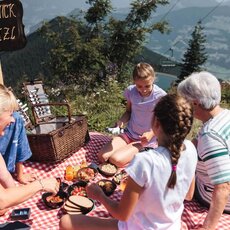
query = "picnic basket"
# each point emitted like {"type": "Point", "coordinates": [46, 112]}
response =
{"type": "Point", "coordinates": [53, 138]}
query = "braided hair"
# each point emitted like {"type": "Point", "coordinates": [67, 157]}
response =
{"type": "Point", "coordinates": [175, 115]}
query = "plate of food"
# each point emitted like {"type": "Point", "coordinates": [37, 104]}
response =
{"type": "Point", "coordinates": [107, 186]}
{"type": "Point", "coordinates": [86, 174]}
{"type": "Point", "coordinates": [78, 205]}
{"type": "Point", "coordinates": [118, 177]}
{"type": "Point", "coordinates": [107, 169]}
{"type": "Point", "coordinates": [77, 188]}
{"type": "Point", "coordinates": [54, 201]}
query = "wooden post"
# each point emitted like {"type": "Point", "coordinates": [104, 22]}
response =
{"type": "Point", "coordinates": [1, 74]}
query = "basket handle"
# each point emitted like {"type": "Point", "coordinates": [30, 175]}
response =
{"type": "Point", "coordinates": [61, 133]}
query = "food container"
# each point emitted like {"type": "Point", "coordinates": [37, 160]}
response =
{"type": "Point", "coordinates": [86, 174]}
{"type": "Point", "coordinates": [107, 169]}
{"type": "Point", "coordinates": [107, 186]}
{"type": "Point", "coordinates": [118, 177]}
{"type": "Point", "coordinates": [77, 188]}
{"type": "Point", "coordinates": [54, 201]}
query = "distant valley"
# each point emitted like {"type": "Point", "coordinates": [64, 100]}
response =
{"type": "Point", "coordinates": [182, 20]}
{"type": "Point", "coordinates": [216, 29]}
{"type": "Point", "coordinates": [173, 45]}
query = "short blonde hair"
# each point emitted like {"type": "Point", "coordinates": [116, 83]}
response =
{"type": "Point", "coordinates": [142, 71]}
{"type": "Point", "coordinates": [8, 101]}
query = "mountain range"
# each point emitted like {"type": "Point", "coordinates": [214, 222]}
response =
{"type": "Point", "coordinates": [182, 16]}
{"type": "Point", "coordinates": [36, 11]}
{"type": "Point", "coordinates": [182, 22]}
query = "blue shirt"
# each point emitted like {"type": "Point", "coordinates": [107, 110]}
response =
{"type": "Point", "coordinates": [14, 145]}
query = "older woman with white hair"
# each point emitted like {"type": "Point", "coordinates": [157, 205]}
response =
{"type": "Point", "coordinates": [213, 145]}
{"type": "Point", "coordinates": [11, 195]}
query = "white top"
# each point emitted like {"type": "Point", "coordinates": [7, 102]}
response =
{"type": "Point", "coordinates": [159, 207]}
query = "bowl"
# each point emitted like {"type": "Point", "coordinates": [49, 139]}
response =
{"type": "Point", "coordinates": [107, 169]}
{"type": "Point", "coordinates": [107, 186]}
{"type": "Point", "coordinates": [118, 177]}
{"type": "Point", "coordinates": [54, 201]}
{"type": "Point", "coordinates": [77, 188]}
{"type": "Point", "coordinates": [86, 174]}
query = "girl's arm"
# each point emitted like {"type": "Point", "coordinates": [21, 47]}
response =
{"type": "Point", "coordinates": [126, 116]}
{"type": "Point", "coordinates": [191, 190]}
{"type": "Point", "coordinates": [119, 210]}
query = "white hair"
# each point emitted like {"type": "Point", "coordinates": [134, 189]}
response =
{"type": "Point", "coordinates": [202, 87]}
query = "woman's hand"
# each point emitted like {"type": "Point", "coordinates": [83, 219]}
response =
{"type": "Point", "coordinates": [94, 191]}
{"type": "Point", "coordinates": [50, 185]}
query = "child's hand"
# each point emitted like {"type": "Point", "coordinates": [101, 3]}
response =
{"type": "Point", "coordinates": [94, 191]}
{"type": "Point", "coordinates": [120, 124]}
{"type": "Point", "coordinates": [146, 137]}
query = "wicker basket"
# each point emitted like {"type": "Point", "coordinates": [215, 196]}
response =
{"type": "Point", "coordinates": [55, 141]}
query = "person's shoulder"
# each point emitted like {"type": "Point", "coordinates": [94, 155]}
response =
{"type": "Point", "coordinates": [189, 145]}
{"type": "Point", "coordinates": [145, 153]}
{"type": "Point", "coordinates": [225, 112]}
{"type": "Point", "coordinates": [159, 91]}
{"type": "Point", "coordinates": [190, 151]}
{"type": "Point", "coordinates": [17, 116]}
{"type": "Point", "coordinates": [144, 159]}
{"type": "Point", "coordinates": [131, 87]}
{"type": "Point", "coordinates": [215, 125]}
{"type": "Point", "coordinates": [150, 154]}
{"type": "Point", "coordinates": [130, 90]}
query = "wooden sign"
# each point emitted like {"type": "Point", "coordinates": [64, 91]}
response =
{"type": "Point", "coordinates": [12, 36]}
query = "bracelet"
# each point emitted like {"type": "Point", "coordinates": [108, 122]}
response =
{"type": "Point", "coordinates": [40, 182]}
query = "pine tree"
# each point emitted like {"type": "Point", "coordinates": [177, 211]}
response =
{"type": "Point", "coordinates": [195, 56]}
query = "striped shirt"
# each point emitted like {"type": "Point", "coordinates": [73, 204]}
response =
{"type": "Point", "coordinates": [213, 155]}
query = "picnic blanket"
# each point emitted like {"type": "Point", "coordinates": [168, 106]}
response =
{"type": "Point", "coordinates": [44, 218]}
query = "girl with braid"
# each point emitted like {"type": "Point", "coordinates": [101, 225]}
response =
{"type": "Point", "coordinates": [159, 179]}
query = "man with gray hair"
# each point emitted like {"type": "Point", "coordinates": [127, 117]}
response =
{"type": "Point", "coordinates": [213, 145]}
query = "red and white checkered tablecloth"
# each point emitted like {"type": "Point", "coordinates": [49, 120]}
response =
{"type": "Point", "coordinates": [44, 218]}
